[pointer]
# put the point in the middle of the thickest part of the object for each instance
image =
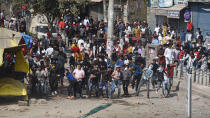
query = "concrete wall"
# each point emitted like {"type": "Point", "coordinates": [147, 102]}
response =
{"type": "Point", "coordinates": [137, 10]}
{"type": "Point", "coordinates": [151, 18]}
{"type": "Point", "coordinates": [96, 11]}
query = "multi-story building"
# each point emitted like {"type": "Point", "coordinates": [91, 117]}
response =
{"type": "Point", "coordinates": [173, 12]}
{"type": "Point", "coordinates": [167, 11]}
{"type": "Point", "coordinates": [200, 10]}
{"type": "Point", "coordinates": [126, 10]}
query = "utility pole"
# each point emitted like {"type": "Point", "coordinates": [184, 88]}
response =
{"type": "Point", "coordinates": [110, 27]}
{"type": "Point", "coordinates": [189, 97]}
{"type": "Point", "coordinates": [105, 11]}
{"type": "Point", "coordinates": [0, 4]}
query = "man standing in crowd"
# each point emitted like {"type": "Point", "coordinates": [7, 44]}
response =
{"type": "Point", "coordinates": [116, 81]}
{"type": "Point", "coordinates": [71, 88]}
{"type": "Point", "coordinates": [127, 74]}
{"type": "Point", "coordinates": [169, 55]}
{"type": "Point", "coordinates": [94, 80]}
{"type": "Point", "coordinates": [79, 74]}
{"type": "Point", "coordinates": [53, 79]}
{"type": "Point", "coordinates": [154, 76]}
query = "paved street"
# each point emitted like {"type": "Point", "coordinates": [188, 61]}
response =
{"type": "Point", "coordinates": [133, 107]}
{"type": "Point", "coordinates": [62, 54]}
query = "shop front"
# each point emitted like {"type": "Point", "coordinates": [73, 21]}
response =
{"type": "Point", "coordinates": [201, 16]}
{"type": "Point", "coordinates": [173, 16]}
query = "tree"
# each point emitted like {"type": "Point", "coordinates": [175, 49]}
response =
{"type": "Point", "coordinates": [50, 8]}
{"type": "Point", "coordinates": [73, 7]}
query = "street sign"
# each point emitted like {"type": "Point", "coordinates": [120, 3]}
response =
{"type": "Point", "coordinates": [173, 14]}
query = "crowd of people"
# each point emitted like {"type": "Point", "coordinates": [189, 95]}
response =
{"type": "Point", "coordinates": [14, 23]}
{"type": "Point", "coordinates": [81, 44]}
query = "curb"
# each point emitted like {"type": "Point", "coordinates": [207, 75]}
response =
{"type": "Point", "coordinates": [195, 89]}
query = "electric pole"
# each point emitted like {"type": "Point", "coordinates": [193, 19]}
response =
{"type": "Point", "coordinates": [105, 10]}
{"type": "Point", "coordinates": [110, 27]}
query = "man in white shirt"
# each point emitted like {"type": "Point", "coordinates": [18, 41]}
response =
{"type": "Point", "coordinates": [80, 41]}
{"type": "Point", "coordinates": [79, 74]}
{"type": "Point", "coordinates": [169, 55]}
{"type": "Point", "coordinates": [87, 45]}
{"type": "Point", "coordinates": [49, 51]}
{"type": "Point", "coordinates": [157, 28]}
{"type": "Point", "coordinates": [86, 20]}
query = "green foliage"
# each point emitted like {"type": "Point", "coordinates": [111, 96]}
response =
{"type": "Point", "coordinates": [72, 7]}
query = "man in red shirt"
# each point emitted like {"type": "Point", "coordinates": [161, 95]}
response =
{"type": "Point", "coordinates": [170, 72]}
{"type": "Point", "coordinates": [62, 25]}
{"type": "Point", "coordinates": [189, 26]}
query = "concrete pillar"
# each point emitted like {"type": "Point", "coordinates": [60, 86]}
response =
{"type": "Point", "coordinates": [175, 69]}
{"type": "Point", "coordinates": [201, 77]}
{"type": "Point", "coordinates": [179, 71]}
{"type": "Point", "coordinates": [197, 76]}
{"type": "Point", "coordinates": [208, 78]}
{"type": "Point", "coordinates": [205, 78]}
{"type": "Point", "coordinates": [184, 73]}
{"type": "Point", "coordinates": [125, 12]}
{"type": "Point", "coordinates": [193, 75]}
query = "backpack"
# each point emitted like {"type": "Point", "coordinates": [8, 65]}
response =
{"type": "Point", "coordinates": [70, 77]}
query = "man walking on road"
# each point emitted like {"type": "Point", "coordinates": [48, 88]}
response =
{"type": "Point", "coordinates": [147, 74]}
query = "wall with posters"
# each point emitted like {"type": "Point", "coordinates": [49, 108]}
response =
{"type": "Point", "coordinates": [154, 3]}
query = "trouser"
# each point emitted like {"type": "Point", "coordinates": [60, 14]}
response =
{"type": "Point", "coordinates": [153, 80]}
{"type": "Point", "coordinates": [159, 83]}
{"type": "Point", "coordinates": [106, 85]}
{"type": "Point", "coordinates": [53, 84]}
{"type": "Point", "coordinates": [33, 84]}
{"type": "Point", "coordinates": [115, 84]}
{"type": "Point", "coordinates": [136, 78]}
{"type": "Point", "coordinates": [165, 87]}
{"type": "Point", "coordinates": [142, 82]}
{"type": "Point", "coordinates": [78, 89]}
{"type": "Point", "coordinates": [168, 61]}
{"type": "Point", "coordinates": [125, 86]}
{"type": "Point", "coordinates": [69, 42]}
{"type": "Point", "coordinates": [61, 78]}
{"type": "Point", "coordinates": [91, 86]}
{"type": "Point", "coordinates": [72, 88]}
{"type": "Point", "coordinates": [170, 83]}
{"type": "Point", "coordinates": [182, 67]}
{"type": "Point", "coordinates": [42, 87]}
{"type": "Point", "coordinates": [189, 43]}
{"type": "Point", "coordinates": [85, 84]}
{"type": "Point", "coordinates": [90, 36]}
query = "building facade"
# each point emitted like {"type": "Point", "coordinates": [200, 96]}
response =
{"type": "Point", "coordinates": [161, 12]}
{"type": "Point", "coordinates": [126, 10]}
{"type": "Point", "coordinates": [200, 15]}
{"type": "Point", "coordinates": [174, 12]}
